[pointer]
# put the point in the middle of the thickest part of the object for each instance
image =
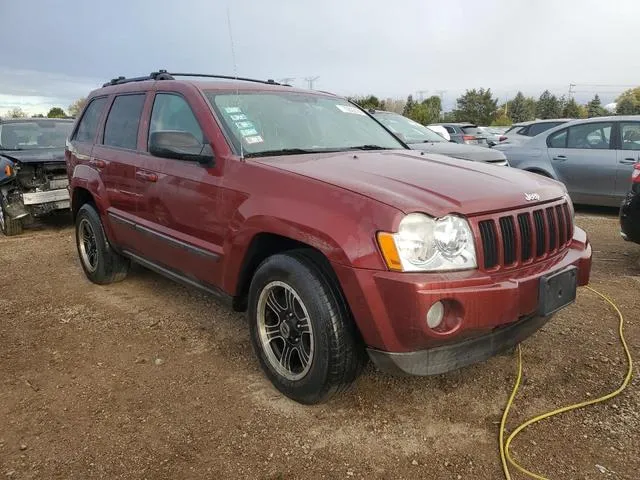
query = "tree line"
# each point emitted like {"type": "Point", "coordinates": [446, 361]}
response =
{"type": "Point", "coordinates": [478, 106]}
{"type": "Point", "coordinates": [55, 112]}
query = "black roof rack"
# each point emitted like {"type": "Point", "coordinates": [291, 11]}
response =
{"type": "Point", "coordinates": [164, 75]}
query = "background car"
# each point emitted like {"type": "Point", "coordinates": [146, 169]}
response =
{"type": "Point", "coordinates": [594, 158]}
{"type": "Point", "coordinates": [464, 133]}
{"type": "Point", "coordinates": [493, 134]}
{"type": "Point", "coordinates": [524, 131]}
{"type": "Point", "coordinates": [630, 209]}
{"type": "Point", "coordinates": [419, 137]}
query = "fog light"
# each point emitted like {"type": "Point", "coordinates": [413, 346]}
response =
{"type": "Point", "coordinates": [435, 315]}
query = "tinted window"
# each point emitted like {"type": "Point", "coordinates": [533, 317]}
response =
{"type": "Point", "coordinates": [121, 128]}
{"type": "Point", "coordinates": [172, 112]}
{"type": "Point", "coordinates": [630, 133]}
{"type": "Point", "coordinates": [590, 136]}
{"type": "Point", "coordinates": [523, 131]}
{"type": "Point", "coordinates": [538, 128]}
{"type": "Point", "coordinates": [472, 131]}
{"type": "Point", "coordinates": [558, 139]}
{"type": "Point", "coordinates": [450, 129]}
{"type": "Point", "coordinates": [89, 122]}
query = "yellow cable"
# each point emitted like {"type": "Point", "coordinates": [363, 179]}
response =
{"type": "Point", "coordinates": [504, 448]}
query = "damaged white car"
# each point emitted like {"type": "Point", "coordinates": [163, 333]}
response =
{"type": "Point", "coordinates": [33, 176]}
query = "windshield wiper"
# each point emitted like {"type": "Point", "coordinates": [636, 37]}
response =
{"type": "Point", "coordinates": [284, 151]}
{"type": "Point", "coordinates": [368, 147]}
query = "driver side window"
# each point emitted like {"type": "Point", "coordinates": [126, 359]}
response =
{"type": "Point", "coordinates": [590, 136]}
{"type": "Point", "coordinates": [172, 112]}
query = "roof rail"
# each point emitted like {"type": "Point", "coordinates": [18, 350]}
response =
{"type": "Point", "coordinates": [164, 75]}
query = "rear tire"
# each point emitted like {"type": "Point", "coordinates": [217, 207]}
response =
{"type": "Point", "coordinates": [9, 226]}
{"type": "Point", "coordinates": [101, 264]}
{"type": "Point", "coordinates": [323, 350]}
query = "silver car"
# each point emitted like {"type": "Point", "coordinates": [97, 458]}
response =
{"type": "Point", "coordinates": [594, 158]}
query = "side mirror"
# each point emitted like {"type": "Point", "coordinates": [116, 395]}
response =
{"type": "Point", "coordinates": [180, 145]}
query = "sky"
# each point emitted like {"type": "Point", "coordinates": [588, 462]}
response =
{"type": "Point", "coordinates": [55, 52]}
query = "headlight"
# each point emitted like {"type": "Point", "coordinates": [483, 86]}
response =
{"type": "Point", "coordinates": [425, 244]}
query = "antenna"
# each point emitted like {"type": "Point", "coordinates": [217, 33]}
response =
{"type": "Point", "coordinates": [235, 72]}
{"type": "Point", "coordinates": [310, 81]}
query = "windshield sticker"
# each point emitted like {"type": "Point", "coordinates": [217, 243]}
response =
{"type": "Point", "coordinates": [350, 109]}
{"type": "Point", "coordinates": [254, 139]}
{"type": "Point", "coordinates": [237, 117]}
{"type": "Point", "coordinates": [232, 109]}
{"type": "Point", "coordinates": [244, 125]}
{"type": "Point", "coordinates": [248, 132]}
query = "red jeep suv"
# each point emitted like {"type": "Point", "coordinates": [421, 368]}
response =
{"type": "Point", "coordinates": [338, 241]}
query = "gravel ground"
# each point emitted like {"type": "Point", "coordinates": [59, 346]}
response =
{"type": "Point", "coordinates": [148, 379]}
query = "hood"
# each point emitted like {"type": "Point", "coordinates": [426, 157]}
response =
{"type": "Point", "coordinates": [415, 182]}
{"type": "Point", "coordinates": [44, 155]}
{"type": "Point", "coordinates": [458, 150]}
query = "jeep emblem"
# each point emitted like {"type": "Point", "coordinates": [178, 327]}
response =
{"type": "Point", "coordinates": [531, 197]}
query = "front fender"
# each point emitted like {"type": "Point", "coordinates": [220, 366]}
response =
{"type": "Point", "coordinates": [87, 178]}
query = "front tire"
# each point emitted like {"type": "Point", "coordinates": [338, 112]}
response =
{"type": "Point", "coordinates": [101, 264]}
{"type": "Point", "coordinates": [9, 226]}
{"type": "Point", "coordinates": [301, 329]}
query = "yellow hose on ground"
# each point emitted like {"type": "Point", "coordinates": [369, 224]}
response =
{"type": "Point", "coordinates": [505, 455]}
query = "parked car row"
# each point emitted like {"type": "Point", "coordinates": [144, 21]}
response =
{"type": "Point", "coordinates": [340, 240]}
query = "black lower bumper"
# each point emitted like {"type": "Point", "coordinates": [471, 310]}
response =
{"type": "Point", "coordinates": [630, 217]}
{"type": "Point", "coordinates": [443, 359]}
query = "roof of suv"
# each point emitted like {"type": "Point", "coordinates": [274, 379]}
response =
{"type": "Point", "coordinates": [545, 120]}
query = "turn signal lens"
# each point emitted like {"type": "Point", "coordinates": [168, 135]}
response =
{"type": "Point", "coordinates": [7, 170]}
{"type": "Point", "coordinates": [389, 251]}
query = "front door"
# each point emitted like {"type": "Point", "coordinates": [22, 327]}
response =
{"type": "Point", "coordinates": [179, 211]}
{"type": "Point", "coordinates": [584, 160]}
{"type": "Point", "coordinates": [628, 155]}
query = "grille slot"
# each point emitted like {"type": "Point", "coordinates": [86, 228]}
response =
{"type": "Point", "coordinates": [540, 233]}
{"type": "Point", "coordinates": [508, 231]}
{"type": "Point", "coordinates": [562, 229]}
{"type": "Point", "coordinates": [553, 230]}
{"type": "Point", "coordinates": [489, 243]}
{"type": "Point", "coordinates": [525, 236]}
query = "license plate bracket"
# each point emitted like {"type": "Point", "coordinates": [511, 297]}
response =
{"type": "Point", "coordinates": [557, 290]}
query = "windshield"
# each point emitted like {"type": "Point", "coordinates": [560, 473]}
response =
{"type": "Point", "coordinates": [273, 123]}
{"type": "Point", "coordinates": [29, 135]}
{"type": "Point", "coordinates": [412, 131]}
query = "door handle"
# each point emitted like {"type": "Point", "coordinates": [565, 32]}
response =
{"type": "Point", "coordinates": [560, 158]}
{"type": "Point", "coordinates": [94, 162]}
{"type": "Point", "coordinates": [146, 176]}
{"type": "Point", "coordinates": [629, 161]}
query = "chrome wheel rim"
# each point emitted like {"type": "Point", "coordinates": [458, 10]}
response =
{"type": "Point", "coordinates": [88, 245]}
{"type": "Point", "coordinates": [286, 335]}
{"type": "Point", "coordinates": [1, 217]}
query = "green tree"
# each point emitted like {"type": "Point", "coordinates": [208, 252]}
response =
{"type": "Point", "coordinates": [548, 106]}
{"type": "Point", "coordinates": [426, 112]}
{"type": "Point", "coordinates": [448, 117]}
{"type": "Point", "coordinates": [595, 108]}
{"type": "Point", "coordinates": [76, 107]}
{"type": "Point", "coordinates": [56, 112]}
{"type": "Point", "coordinates": [571, 109]}
{"type": "Point", "coordinates": [477, 106]}
{"type": "Point", "coordinates": [521, 108]}
{"type": "Point", "coordinates": [408, 106]}
{"type": "Point", "coordinates": [502, 120]}
{"type": "Point", "coordinates": [39, 115]}
{"type": "Point", "coordinates": [628, 103]}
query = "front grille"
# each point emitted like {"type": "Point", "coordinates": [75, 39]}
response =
{"type": "Point", "coordinates": [520, 237]}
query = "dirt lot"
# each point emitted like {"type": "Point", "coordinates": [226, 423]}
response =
{"type": "Point", "coordinates": [147, 379]}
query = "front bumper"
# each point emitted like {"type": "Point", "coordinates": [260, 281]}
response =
{"type": "Point", "coordinates": [495, 310]}
{"type": "Point", "coordinates": [630, 217]}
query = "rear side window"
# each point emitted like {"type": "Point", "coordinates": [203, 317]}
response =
{"type": "Point", "coordinates": [558, 139]}
{"type": "Point", "coordinates": [590, 136]}
{"type": "Point", "coordinates": [172, 112]}
{"type": "Point", "coordinates": [538, 128]}
{"type": "Point", "coordinates": [630, 135]}
{"type": "Point", "coordinates": [121, 128]}
{"type": "Point", "coordinates": [524, 131]}
{"type": "Point", "coordinates": [450, 129]}
{"type": "Point", "coordinates": [88, 125]}
{"type": "Point", "coordinates": [472, 131]}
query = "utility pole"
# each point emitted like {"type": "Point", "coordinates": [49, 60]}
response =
{"type": "Point", "coordinates": [310, 81]}
{"type": "Point", "coordinates": [421, 94]}
{"type": "Point", "coordinates": [441, 93]}
{"type": "Point", "coordinates": [286, 80]}
{"type": "Point", "coordinates": [571, 85]}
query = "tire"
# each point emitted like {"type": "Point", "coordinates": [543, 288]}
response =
{"type": "Point", "coordinates": [303, 288]}
{"type": "Point", "coordinates": [9, 226]}
{"type": "Point", "coordinates": [101, 264]}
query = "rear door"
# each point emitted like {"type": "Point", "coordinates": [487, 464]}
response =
{"type": "Point", "coordinates": [118, 160]}
{"type": "Point", "coordinates": [628, 154]}
{"type": "Point", "coordinates": [584, 160]}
